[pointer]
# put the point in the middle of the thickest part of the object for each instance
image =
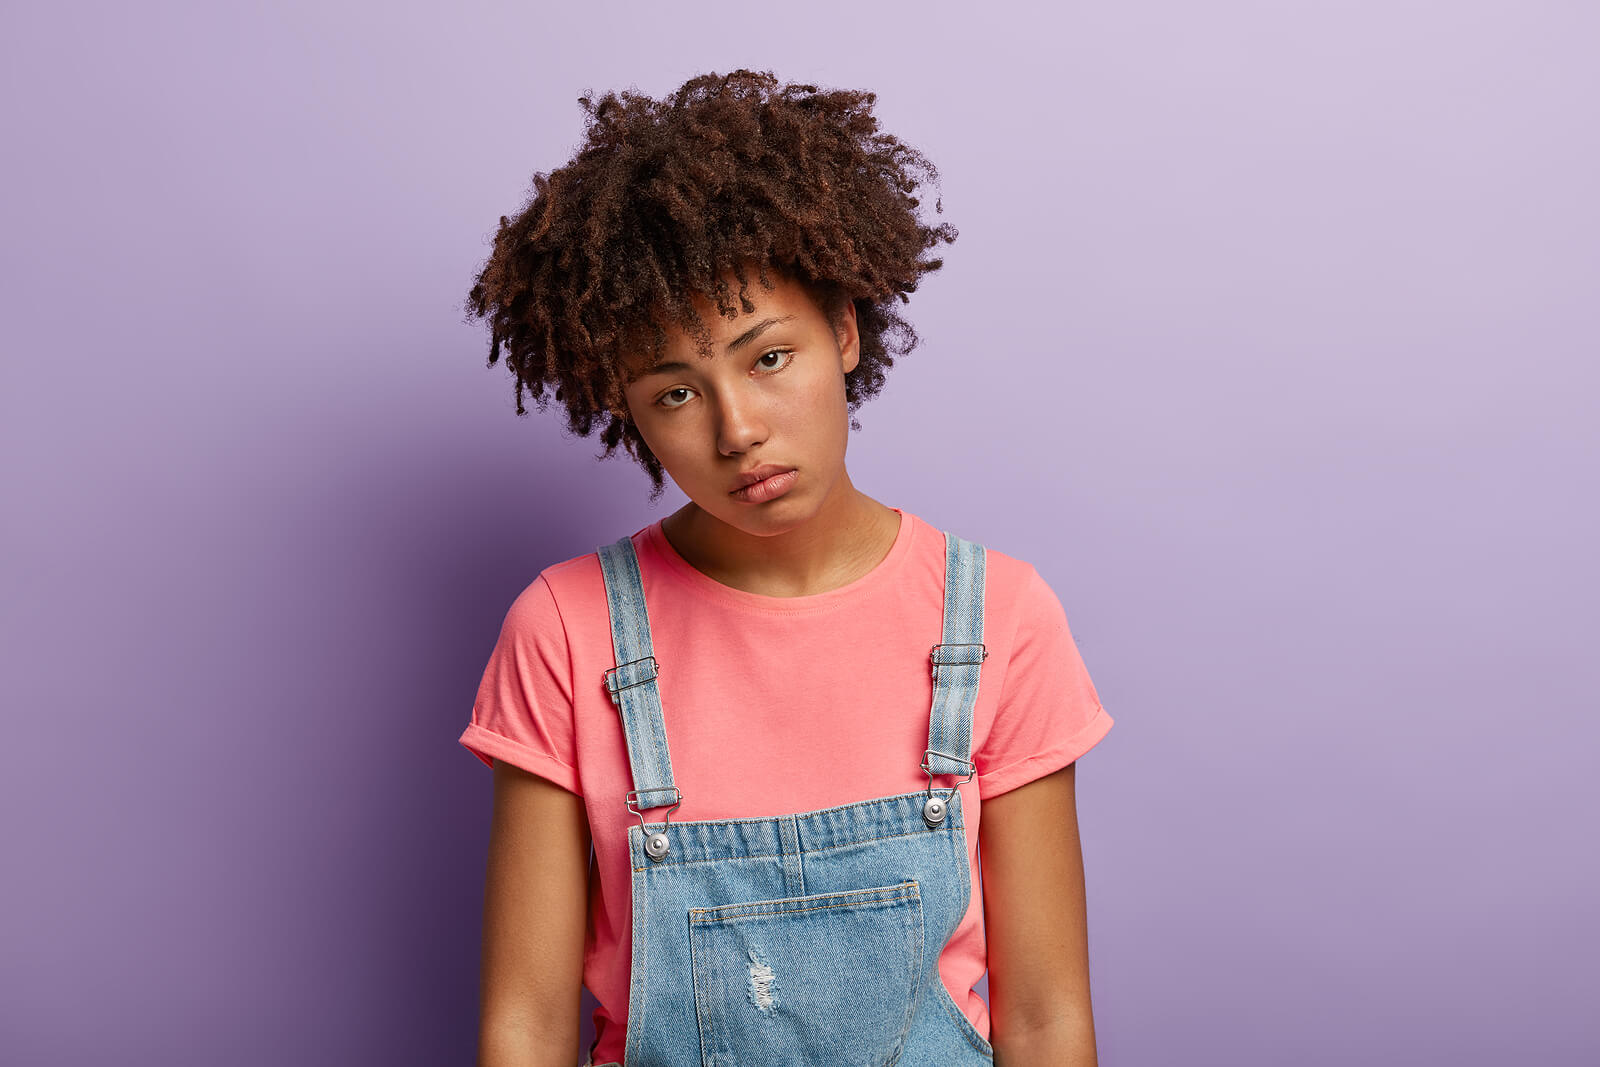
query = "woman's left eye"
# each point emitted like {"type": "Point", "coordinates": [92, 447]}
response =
{"type": "Point", "coordinates": [783, 356]}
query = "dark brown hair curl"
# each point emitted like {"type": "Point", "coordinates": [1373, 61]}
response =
{"type": "Point", "coordinates": [664, 198]}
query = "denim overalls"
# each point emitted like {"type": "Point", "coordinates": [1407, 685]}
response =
{"type": "Point", "coordinates": [809, 938]}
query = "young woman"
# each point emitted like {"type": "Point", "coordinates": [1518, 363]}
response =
{"type": "Point", "coordinates": [789, 718]}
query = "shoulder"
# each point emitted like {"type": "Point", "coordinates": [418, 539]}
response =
{"type": "Point", "coordinates": [1017, 599]}
{"type": "Point", "coordinates": [570, 593]}
{"type": "Point", "coordinates": [1006, 577]}
{"type": "Point", "coordinates": [1013, 587]}
{"type": "Point", "coordinates": [565, 586]}
{"type": "Point", "coordinates": [1010, 576]}
{"type": "Point", "coordinates": [1021, 604]}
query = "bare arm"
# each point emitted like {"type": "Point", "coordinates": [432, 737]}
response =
{"type": "Point", "coordinates": [1035, 916]}
{"type": "Point", "coordinates": [535, 903]}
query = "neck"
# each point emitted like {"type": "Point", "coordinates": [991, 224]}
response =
{"type": "Point", "coordinates": [847, 537]}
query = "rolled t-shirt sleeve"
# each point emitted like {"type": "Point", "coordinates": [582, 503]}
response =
{"type": "Point", "coordinates": [1048, 713]}
{"type": "Point", "coordinates": [523, 713]}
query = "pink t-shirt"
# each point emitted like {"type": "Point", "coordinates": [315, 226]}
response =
{"type": "Point", "coordinates": [777, 705]}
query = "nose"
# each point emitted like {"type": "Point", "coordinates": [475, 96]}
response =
{"type": "Point", "coordinates": [740, 425]}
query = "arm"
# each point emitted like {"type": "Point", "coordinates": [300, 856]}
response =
{"type": "Point", "coordinates": [535, 905]}
{"type": "Point", "coordinates": [1034, 912]}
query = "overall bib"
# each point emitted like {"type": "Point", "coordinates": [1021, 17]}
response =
{"type": "Point", "coordinates": [804, 939]}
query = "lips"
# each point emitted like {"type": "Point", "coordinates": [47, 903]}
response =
{"type": "Point", "coordinates": [758, 474]}
{"type": "Point", "coordinates": [771, 487]}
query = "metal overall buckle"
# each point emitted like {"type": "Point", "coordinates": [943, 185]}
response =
{"type": "Point", "coordinates": [655, 844]}
{"type": "Point", "coordinates": [934, 811]}
{"type": "Point", "coordinates": [613, 689]}
{"type": "Point", "coordinates": [933, 655]}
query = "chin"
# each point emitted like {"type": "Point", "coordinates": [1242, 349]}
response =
{"type": "Point", "coordinates": [763, 520]}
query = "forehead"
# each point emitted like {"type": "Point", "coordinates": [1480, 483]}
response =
{"type": "Point", "coordinates": [786, 297]}
{"type": "Point", "coordinates": [788, 300]}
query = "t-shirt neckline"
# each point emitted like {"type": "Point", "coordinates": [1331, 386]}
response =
{"type": "Point", "coordinates": [682, 570]}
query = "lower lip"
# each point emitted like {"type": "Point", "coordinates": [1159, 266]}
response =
{"type": "Point", "coordinates": [768, 489]}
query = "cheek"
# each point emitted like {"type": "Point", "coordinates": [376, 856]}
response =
{"type": "Point", "coordinates": [685, 447]}
{"type": "Point", "coordinates": [668, 447]}
{"type": "Point", "coordinates": [828, 409]}
{"type": "Point", "coordinates": [660, 444]}
{"type": "Point", "coordinates": [796, 413]}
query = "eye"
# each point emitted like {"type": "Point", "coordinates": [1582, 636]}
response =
{"type": "Point", "coordinates": [784, 356]}
{"type": "Point", "coordinates": [665, 398]}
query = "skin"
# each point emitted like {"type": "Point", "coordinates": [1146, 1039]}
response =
{"type": "Point", "coordinates": [1036, 924]}
{"type": "Point", "coordinates": [778, 397]}
{"type": "Point", "coordinates": [535, 906]}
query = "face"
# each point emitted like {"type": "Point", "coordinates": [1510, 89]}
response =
{"type": "Point", "coordinates": [768, 401]}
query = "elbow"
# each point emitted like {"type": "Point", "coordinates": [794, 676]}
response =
{"type": "Point", "coordinates": [1066, 1039]}
{"type": "Point", "coordinates": [521, 1043]}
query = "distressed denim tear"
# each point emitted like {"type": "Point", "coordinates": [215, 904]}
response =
{"type": "Point", "coordinates": [761, 982]}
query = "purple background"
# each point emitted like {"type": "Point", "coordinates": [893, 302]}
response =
{"type": "Point", "coordinates": [1270, 338]}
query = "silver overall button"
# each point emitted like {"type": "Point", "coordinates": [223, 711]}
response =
{"type": "Point", "coordinates": [933, 811]}
{"type": "Point", "coordinates": [655, 844]}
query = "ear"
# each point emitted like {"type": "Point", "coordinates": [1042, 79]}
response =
{"type": "Point", "coordinates": [849, 338]}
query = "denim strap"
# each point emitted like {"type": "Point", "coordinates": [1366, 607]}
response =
{"type": "Point", "coordinates": [956, 663]}
{"type": "Point", "coordinates": [632, 683]}
{"type": "Point", "coordinates": [957, 660]}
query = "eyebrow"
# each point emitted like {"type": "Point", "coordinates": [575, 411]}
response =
{"type": "Point", "coordinates": [734, 345]}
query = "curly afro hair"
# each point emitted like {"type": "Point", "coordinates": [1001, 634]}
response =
{"type": "Point", "coordinates": [665, 199]}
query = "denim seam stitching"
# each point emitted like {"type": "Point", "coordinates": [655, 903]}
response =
{"type": "Point", "coordinates": [964, 1024]}
{"type": "Point", "coordinates": [824, 848]}
{"type": "Point", "coordinates": [708, 918]}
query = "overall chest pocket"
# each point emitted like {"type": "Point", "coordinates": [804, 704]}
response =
{"type": "Point", "coordinates": [829, 978]}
